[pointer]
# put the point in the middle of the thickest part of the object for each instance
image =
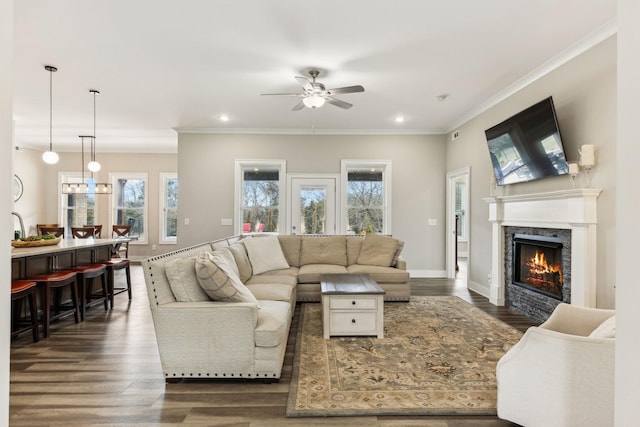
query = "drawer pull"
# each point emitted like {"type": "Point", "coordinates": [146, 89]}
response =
{"type": "Point", "coordinates": [353, 303]}
{"type": "Point", "coordinates": [353, 320]}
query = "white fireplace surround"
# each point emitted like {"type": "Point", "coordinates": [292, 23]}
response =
{"type": "Point", "coordinates": [576, 210]}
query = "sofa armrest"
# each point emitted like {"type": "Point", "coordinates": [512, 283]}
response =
{"type": "Point", "coordinates": [552, 378]}
{"type": "Point", "coordinates": [194, 336]}
{"type": "Point", "coordinates": [401, 264]}
{"type": "Point", "coordinates": [575, 320]}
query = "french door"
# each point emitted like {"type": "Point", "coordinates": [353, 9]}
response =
{"type": "Point", "coordinates": [312, 204]}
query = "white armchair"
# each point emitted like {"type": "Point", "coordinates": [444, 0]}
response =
{"type": "Point", "coordinates": [559, 375]}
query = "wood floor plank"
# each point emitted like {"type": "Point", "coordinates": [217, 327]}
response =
{"type": "Point", "coordinates": [106, 371]}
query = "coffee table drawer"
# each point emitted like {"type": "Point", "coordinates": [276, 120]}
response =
{"type": "Point", "coordinates": [345, 323]}
{"type": "Point", "coordinates": [353, 303]}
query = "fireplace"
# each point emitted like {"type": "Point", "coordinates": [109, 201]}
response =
{"type": "Point", "coordinates": [572, 216]}
{"type": "Point", "coordinates": [537, 264]}
{"type": "Point", "coordinates": [537, 270]}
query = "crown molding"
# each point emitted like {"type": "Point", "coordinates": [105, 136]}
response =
{"type": "Point", "coordinates": [285, 131]}
{"type": "Point", "coordinates": [596, 37]}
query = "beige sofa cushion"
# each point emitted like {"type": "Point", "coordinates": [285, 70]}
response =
{"type": "Point", "coordinates": [291, 249]}
{"type": "Point", "coordinates": [606, 329]}
{"type": "Point", "coordinates": [273, 319]}
{"type": "Point", "coordinates": [242, 261]}
{"type": "Point", "coordinates": [354, 244]}
{"type": "Point", "coordinates": [324, 250]}
{"type": "Point", "coordinates": [380, 274]}
{"type": "Point", "coordinates": [219, 279]}
{"type": "Point", "coordinates": [183, 281]}
{"type": "Point", "coordinates": [265, 254]}
{"type": "Point", "coordinates": [278, 279]}
{"type": "Point", "coordinates": [273, 292]}
{"type": "Point", "coordinates": [311, 273]}
{"type": "Point", "coordinates": [377, 250]}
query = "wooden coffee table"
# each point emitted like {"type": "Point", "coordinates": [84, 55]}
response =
{"type": "Point", "coordinates": [352, 304]}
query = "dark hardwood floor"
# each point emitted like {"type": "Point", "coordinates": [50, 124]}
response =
{"type": "Point", "coordinates": [106, 371]}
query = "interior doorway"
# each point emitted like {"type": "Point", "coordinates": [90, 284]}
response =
{"type": "Point", "coordinates": [458, 224]}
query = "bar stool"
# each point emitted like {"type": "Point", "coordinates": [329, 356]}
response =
{"type": "Point", "coordinates": [40, 226]}
{"type": "Point", "coordinates": [86, 274]}
{"type": "Point", "coordinates": [57, 231]}
{"type": "Point", "coordinates": [24, 290]}
{"type": "Point", "coordinates": [56, 281]}
{"type": "Point", "coordinates": [97, 230]}
{"type": "Point", "coordinates": [113, 265]}
{"type": "Point", "coordinates": [83, 232]}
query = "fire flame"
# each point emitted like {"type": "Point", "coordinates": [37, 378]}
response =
{"type": "Point", "coordinates": [538, 265]}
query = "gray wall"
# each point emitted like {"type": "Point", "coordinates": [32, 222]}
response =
{"type": "Point", "coordinates": [206, 172]}
{"type": "Point", "coordinates": [584, 93]}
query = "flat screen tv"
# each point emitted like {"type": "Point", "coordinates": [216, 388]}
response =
{"type": "Point", "coordinates": [527, 146]}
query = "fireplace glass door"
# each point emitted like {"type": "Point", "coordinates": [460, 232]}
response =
{"type": "Point", "coordinates": [537, 264]}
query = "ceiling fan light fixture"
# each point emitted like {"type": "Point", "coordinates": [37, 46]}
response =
{"type": "Point", "coordinates": [313, 101]}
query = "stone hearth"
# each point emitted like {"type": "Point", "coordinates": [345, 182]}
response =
{"type": "Point", "coordinates": [572, 210]}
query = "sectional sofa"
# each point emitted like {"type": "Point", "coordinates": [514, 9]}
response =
{"type": "Point", "coordinates": [223, 309]}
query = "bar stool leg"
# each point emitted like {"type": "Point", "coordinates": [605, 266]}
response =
{"type": "Point", "coordinates": [34, 316]}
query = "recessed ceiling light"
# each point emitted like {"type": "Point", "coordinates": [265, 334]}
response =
{"type": "Point", "coordinates": [224, 118]}
{"type": "Point", "coordinates": [399, 119]}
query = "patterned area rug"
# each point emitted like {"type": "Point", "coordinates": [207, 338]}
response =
{"type": "Point", "coordinates": [438, 357]}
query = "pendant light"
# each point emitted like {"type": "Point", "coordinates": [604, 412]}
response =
{"type": "Point", "coordinates": [83, 187]}
{"type": "Point", "coordinates": [93, 165]}
{"type": "Point", "coordinates": [50, 157]}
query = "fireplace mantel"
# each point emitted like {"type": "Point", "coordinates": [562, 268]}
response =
{"type": "Point", "coordinates": [575, 210]}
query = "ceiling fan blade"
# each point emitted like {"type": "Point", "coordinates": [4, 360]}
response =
{"type": "Point", "coordinates": [299, 106]}
{"type": "Point", "coordinates": [281, 94]}
{"type": "Point", "coordinates": [306, 84]}
{"type": "Point", "coordinates": [348, 89]}
{"type": "Point", "coordinates": [338, 103]}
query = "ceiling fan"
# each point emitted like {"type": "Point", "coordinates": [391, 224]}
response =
{"type": "Point", "coordinates": [316, 94]}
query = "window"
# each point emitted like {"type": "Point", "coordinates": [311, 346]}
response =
{"type": "Point", "coordinates": [78, 210]}
{"type": "Point", "coordinates": [168, 207]}
{"type": "Point", "coordinates": [130, 203]}
{"type": "Point", "coordinates": [259, 185]}
{"type": "Point", "coordinates": [367, 196]}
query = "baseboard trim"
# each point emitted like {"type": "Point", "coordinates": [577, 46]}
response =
{"type": "Point", "coordinates": [479, 288]}
{"type": "Point", "coordinates": [428, 274]}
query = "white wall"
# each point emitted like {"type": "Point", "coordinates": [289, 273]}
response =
{"type": "Point", "coordinates": [627, 410]}
{"type": "Point", "coordinates": [584, 93]}
{"type": "Point", "coordinates": [206, 172]}
{"type": "Point", "coordinates": [6, 181]}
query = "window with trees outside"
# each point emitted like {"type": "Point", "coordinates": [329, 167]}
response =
{"type": "Point", "coordinates": [78, 210]}
{"type": "Point", "coordinates": [258, 187]}
{"type": "Point", "coordinates": [168, 208]}
{"type": "Point", "coordinates": [367, 196]}
{"type": "Point", "coordinates": [130, 203]}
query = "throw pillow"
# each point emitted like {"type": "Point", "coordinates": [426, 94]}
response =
{"type": "Point", "coordinates": [218, 279]}
{"type": "Point", "coordinates": [394, 261]}
{"type": "Point", "coordinates": [607, 329]}
{"type": "Point", "coordinates": [242, 261]}
{"type": "Point", "coordinates": [183, 281]}
{"type": "Point", "coordinates": [378, 250]}
{"type": "Point", "coordinates": [265, 254]}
